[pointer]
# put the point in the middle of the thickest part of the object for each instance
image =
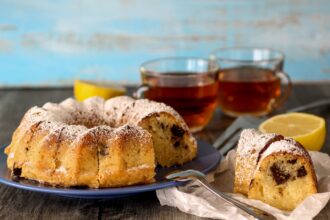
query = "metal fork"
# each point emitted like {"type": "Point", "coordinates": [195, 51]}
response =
{"type": "Point", "coordinates": [228, 139]}
{"type": "Point", "coordinates": [187, 175]}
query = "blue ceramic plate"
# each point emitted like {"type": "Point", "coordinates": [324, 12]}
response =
{"type": "Point", "coordinates": [207, 159]}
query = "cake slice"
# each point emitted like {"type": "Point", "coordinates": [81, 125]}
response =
{"type": "Point", "coordinates": [284, 176]}
{"type": "Point", "coordinates": [251, 145]}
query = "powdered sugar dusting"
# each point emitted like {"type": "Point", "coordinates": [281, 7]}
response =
{"type": "Point", "coordinates": [51, 126]}
{"type": "Point", "coordinates": [61, 169]}
{"type": "Point", "coordinates": [252, 141]}
{"type": "Point", "coordinates": [72, 132]}
{"type": "Point", "coordinates": [131, 130]}
{"type": "Point", "coordinates": [123, 109]}
{"type": "Point", "coordinates": [250, 146]}
{"type": "Point", "coordinates": [94, 110]}
{"type": "Point", "coordinates": [33, 116]}
{"type": "Point", "coordinates": [11, 155]}
{"type": "Point", "coordinates": [102, 130]}
{"type": "Point", "coordinates": [120, 115]}
{"type": "Point", "coordinates": [288, 145]}
{"type": "Point", "coordinates": [57, 113]}
{"type": "Point", "coordinates": [140, 167]}
{"type": "Point", "coordinates": [88, 113]}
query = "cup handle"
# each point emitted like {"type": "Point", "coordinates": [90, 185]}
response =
{"type": "Point", "coordinates": [286, 86]}
{"type": "Point", "coordinates": [139, 93]}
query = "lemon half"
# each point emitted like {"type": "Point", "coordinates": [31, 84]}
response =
{"type": "Point", "coordinates": [305, 128]}
{"type": "Point", "coordinates": [86, 89]}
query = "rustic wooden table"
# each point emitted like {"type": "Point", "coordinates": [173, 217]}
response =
{"type": "Point", "coordinates": [21, 204]}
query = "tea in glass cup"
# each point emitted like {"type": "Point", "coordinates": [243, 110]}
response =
{"type": "Point", "coordinates": [189, 85]}
{"type": "Point", "coordinates": [251, 80]}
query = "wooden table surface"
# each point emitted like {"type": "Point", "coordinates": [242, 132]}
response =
{"type": "Point", "coordinates": [21, 204]}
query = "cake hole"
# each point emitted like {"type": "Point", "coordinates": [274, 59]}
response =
{"type": "Point", "coordinates": [293, 161]}
{"type": "Point", "coordinates": [301, 172]}
{"type": "Point", "coordinates": [261, 191]}
{"type": "Point", "coordinates": [58, 164]}
{"type": "Point", "coordinates": [280, 191]}
{"type": "Point", "coordinates": [17, 171]}
{"type": "Point", "coordinates": [176, 144]}
{"type": "Point", "coordinates": [177, 131]}
{"type": "Point", "coordinates": [103, 150]}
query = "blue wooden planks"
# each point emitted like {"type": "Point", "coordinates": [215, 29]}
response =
{"type": "Point", "coordinates": [49, 43]}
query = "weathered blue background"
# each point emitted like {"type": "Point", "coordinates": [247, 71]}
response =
{"type": "Point", "coordinates": [48, 42]}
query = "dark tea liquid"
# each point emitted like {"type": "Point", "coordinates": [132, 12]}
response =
{"type": "Point", "coordinates": [194, 98]}
{"type": "Point", "coordinates": [247, 89]}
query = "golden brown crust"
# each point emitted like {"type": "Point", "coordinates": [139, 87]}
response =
{"type": "Point", "coordinates": [72, 144]}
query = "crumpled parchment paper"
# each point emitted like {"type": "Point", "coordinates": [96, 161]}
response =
{"type": "Point", "coordinates": [194, 199]}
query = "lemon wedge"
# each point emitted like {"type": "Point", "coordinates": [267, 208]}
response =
{"type": "Point", "coordinates": [86, 89]}
{"type": "Point", "coordinates": [305, 128]}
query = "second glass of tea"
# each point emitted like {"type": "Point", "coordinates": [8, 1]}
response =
{"type": "Point", "coordinates": [251, 80]}
{"type": "Point", "coordinates": [189, 85]}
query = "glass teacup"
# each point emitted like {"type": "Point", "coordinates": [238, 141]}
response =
{"type": "Point", "coordinates": [189, 85]}
{"type": "Point", "coordinates": [251, 80]}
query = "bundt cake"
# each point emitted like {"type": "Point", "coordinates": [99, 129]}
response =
{"type": "Point", "coordinates": [98, 143]}
{"type": "Point", "coordinates": [273, 169]}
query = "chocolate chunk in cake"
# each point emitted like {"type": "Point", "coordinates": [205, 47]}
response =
{"type": "Point", "coordinates": [279, 176]}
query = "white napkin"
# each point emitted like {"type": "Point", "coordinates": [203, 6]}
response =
{"type": "Point", "coordinates": [196, 200]}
